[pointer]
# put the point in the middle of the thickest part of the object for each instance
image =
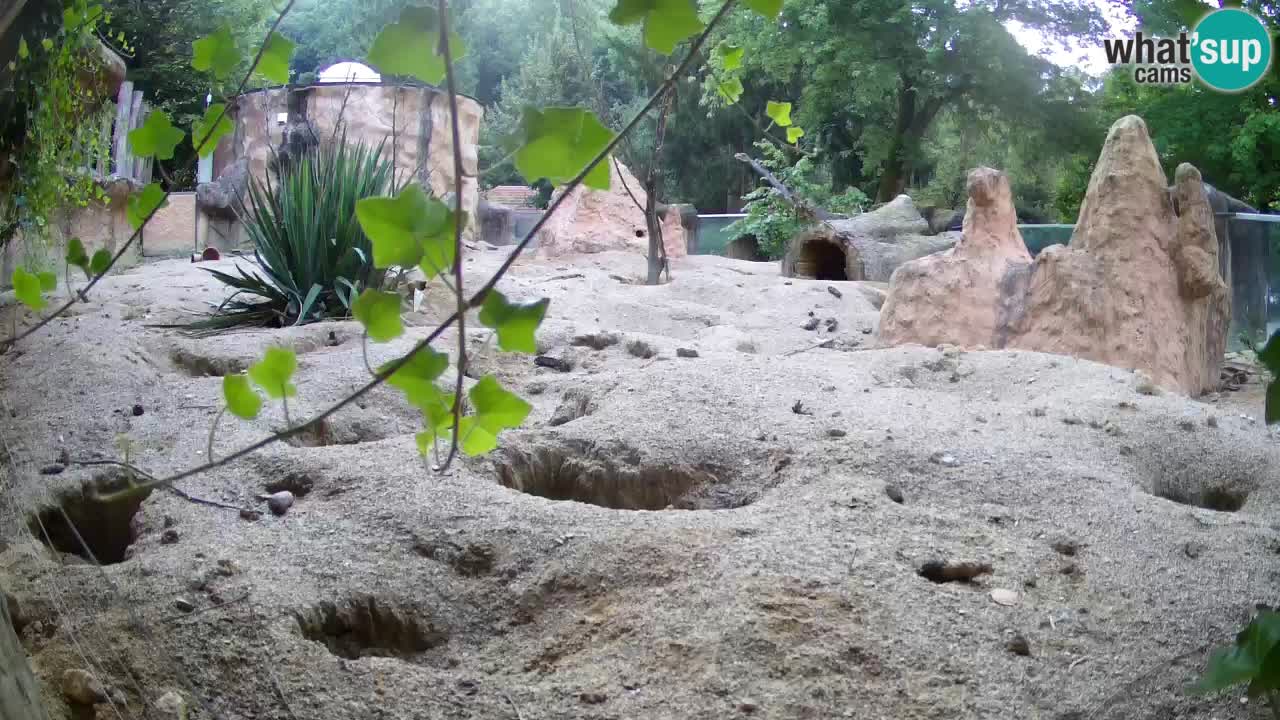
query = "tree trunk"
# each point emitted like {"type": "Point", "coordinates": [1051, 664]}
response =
{"type": "Point", "coordinates": [19, 696]}
{"type": "Point", "coordinates": [657, 251]}
{"type": "Point", "coordinates": [912, 123]}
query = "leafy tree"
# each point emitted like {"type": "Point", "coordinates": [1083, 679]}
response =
{"type": "Point", "coordinates": [874, 75]}
{"type": "Point", "coordinates": [159, 35]}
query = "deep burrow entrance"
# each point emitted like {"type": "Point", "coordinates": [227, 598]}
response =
{"type": "Point", "coordinates": [822, 260]}
{"type": "Point", "coordinates": [619, 480]}
{"type": "Point", "coordinates": [364, 625]}
{"type": "Point", "coordinates": [95, 525]}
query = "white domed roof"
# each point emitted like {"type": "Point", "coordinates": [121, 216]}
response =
{"type": "Point", "coordinates": [349, 72]}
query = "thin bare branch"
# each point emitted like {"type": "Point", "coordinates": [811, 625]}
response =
{"type": "Point", "coordinates": [458, 226]}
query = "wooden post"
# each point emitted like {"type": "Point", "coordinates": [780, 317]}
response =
{"type": "Point", "coordinates": [132, 162]}
{"type": "Point", "coordinates": [19, 696]}
{"type": "Point", "coordinates": [121, 139]}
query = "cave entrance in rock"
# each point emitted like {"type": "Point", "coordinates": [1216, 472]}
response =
{"type": "Point", "coordinates": [823, 260]}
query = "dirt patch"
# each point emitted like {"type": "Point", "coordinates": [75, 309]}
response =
{"type": "Point", "coordinates": [365, 626]}
{"type": "Point", "coordinates": [341, 431]}
{"type": "Point", "coordinates": [96, 523]}
{"type": "Point", "coordinates": [620, 481]}
{"type": "Point", "coordinates": [199, 365]}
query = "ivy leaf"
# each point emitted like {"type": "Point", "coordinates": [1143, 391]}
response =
{"type": "Point", "coordinates": [211, 128]}
{"type": "Point", "coordinates": [1269, 355]}
{"type": "Point", "coordinates": [216, 53]}
{"type": "Point", "coordinates": [276, 54]}
{"type": "Point", "coordinates": [666, 22]}
{"type": "Point", "coordinates": [156, 138]}
{"type": "Point", "coordinates": [515, 322]}
{"type": "Point", "coordinates": [416, 379]}
{"type": "Point", "coordinates": [779, 113]}
{"type": "Point", "coordinates": [731, 90]}
{"type": "Point", "coordinates": [559, 143]}
{"type": "Point", "coordinates": [730, 56]}
{"type": "Point", "coordinates": [47, 44]}
{"type": "Point", "coordinates": [379, 313]}
{"type": "Point", "coordinates": [1273, 402]}
{"type": "Point", "coordinates": [408, 228]}
{"type": "Point", "coordinates": [273, 371]}
{"type": "Point", "coordinates": [48, 281]}
{"type": "Point", "coordinates": [144, 204]}
{"type": "Point", "coordinates": [767, 8]}
{"type": "Point", "coordinates": [411, 46]}
{"type": "Point", "coordinates": [1245, 661]}
{"type": "Point", "coordinates": [26, 287]}
{"type": "Point", "coordinates": [242, 401]}
{"type": "Point", "coordinates": [24, 52]}
{"type": "Point", "coordinates": [100, 262]}
{"type": "Point", "coordinates": [495, 410]}
{"type": "Point", "coordinates": [76, 255]}
{"type": "Point", "coordinates": [794, 133]}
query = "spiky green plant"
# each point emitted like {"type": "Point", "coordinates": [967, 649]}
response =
{"type": "Point", "coordinates": [315, 259]}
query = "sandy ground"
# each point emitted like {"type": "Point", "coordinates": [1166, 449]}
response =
{"type": "Point", "coordinates": [792, 497]}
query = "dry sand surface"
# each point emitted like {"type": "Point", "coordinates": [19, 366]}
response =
{"type": "Point", "coordinates": [748, 539]}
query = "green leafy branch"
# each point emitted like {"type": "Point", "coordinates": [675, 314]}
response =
{"type": "Point", "coordinates": [157, 138]}
{"type": "Point", "coordinates": [1253, 661]}
{"type": "Point", "coordinates": [408, 230]}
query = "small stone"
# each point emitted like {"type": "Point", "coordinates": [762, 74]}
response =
{"type": "Point", "coordinates": [1193, 549]}
{"type": "Point", "coordinates": [1038, 412]}
{"type": "Point", "coordinates": [1186, 425]}
{"type": "Point", "coordinates": [169, 537]}
{"type": "Point", "coordinates": [811, 324]}
{"type": "Point", "coordinates": [536, 387]}
{"type": "Point", "coordinates": [831, 289]}
{"type": "Point", "coordinates": [1211, 421]}
{"type": "Point", "coordinates": [54, 469]}
{"type": "Point", "coordinates": [1071, 420]}
{"type": "Point", "coordinates": [592, 698]}
{"type": "Point", "coordinates": [832, 324]}
{"type": "Point", "coordinates": [1018, 645]}
{"type": "Point", "coordinates": [1065, 546]}
{"type": "Point", "coordinates": [169, 521]}
{"type": "Point", "coordinates": [171, 706]}
{"type": "Point", "coordinates": [280, 502]}
{"type": "Point", "coordinates": [944, 459]}
{"type": "Point", "coordinates": [80, 688]}
{"type": "Point", "coordinates": [137, 410]}
{"type": "Point", "coordinates": [748, 706]}
{"type": "Point", "coordinates": [228, 567]}
{"type": "Point", "coordinates": [554, 363]}
{"type": "Point", "coordinates": [1002, 596]}
{"type": "Point", "coordinates": [895, 493]}
{"type": "Point", "coordinates": [686, 353]}
{"type": "Point", "coordinates": [836, 433]}
{"type": "Point", "coordinates": [1144, 385]}
{"type": "Point", "coordinates": [250, 515]}
{"type": "Point", "coordinates": [183, 605]}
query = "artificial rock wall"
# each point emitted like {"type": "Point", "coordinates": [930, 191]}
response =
{"type": "Point", "coordinates": [413, 121]}
{"type": "Point", "coordinates": [1138, 287]}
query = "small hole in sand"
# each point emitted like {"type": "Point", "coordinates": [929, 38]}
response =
{"type": "Point", "coordinates": [366, 626]}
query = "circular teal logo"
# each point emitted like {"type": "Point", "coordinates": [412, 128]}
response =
{"type": "Point", "coordinates": [1231, 50]}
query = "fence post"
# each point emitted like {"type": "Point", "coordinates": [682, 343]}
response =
{"type": "Point", "coordinates": [123, 103]}
{"type": "Point", "coordinates": [19, 696]}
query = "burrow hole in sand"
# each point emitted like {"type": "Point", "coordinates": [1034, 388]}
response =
{"type": "Point", "coordinates": [343, 431]}
{"type": "Point", "coordinates": [1221, 498]}
{"type": "Point", "coordinates": [618, 480]}
{"type": "Point", "coordinates": [364, 626]}
{"type": "Point", "coordinates": [97, 525]}
{"type": "Point", "coordinates": [822, 260]}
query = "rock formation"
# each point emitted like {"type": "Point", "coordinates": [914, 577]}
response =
{"type": "Point", "coordinates": [592, 221]}
{"type": "Point", "coordinates": [955, 297]}
{"type": "Point", "coordinates": [869, 246]}
{"type": "Point", "coordinates": [1139, 287]}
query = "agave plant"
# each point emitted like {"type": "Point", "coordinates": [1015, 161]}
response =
{"type": "Point", "coordinates": [314, 258]}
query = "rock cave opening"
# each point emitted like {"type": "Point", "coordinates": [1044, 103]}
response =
{"type": "Point", "coordinates": [96, 526]}
{"type": "Point", "coordinates": [566, 474]}
{"type": "Point", "coordinates": [822, 260]}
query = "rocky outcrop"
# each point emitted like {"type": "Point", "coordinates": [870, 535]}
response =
{"type": "Point", "coordinates": [593, 221]}
{"type": "Point", "coordinates": [869, 246]}
{"type": "Point", "coordinates": [218, 198]}
{"type": "Point", "coordinates": [1139, 286]}
{"type": "Point", "coordinates": [955, 297]}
